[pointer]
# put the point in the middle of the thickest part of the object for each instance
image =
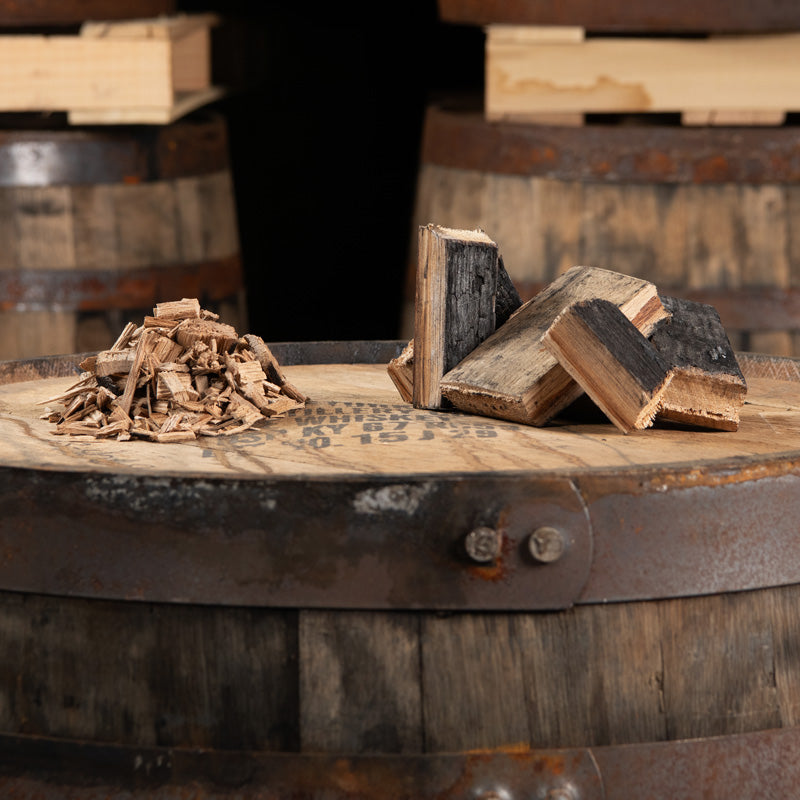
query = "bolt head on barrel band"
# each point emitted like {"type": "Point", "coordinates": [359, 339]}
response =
{"type": "Point", "coordinates": [483, 544]}
{"type": "Point", "coordinates": [546, 544]}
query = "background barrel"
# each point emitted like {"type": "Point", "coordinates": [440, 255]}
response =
{"type": "Point", "coordinates": [100, 224]}
{"type": "Point", "coordinates": [707, 213]}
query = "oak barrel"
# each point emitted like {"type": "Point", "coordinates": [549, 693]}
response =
{"type": "Point", "coordinates": [295, 612]}
{"type": "Point", "coordinates": [100, 224]}
{"type": "Point", "coordinates": [707, 213]}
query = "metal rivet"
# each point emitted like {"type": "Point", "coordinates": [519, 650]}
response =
{"type": "Point", "coordinates": [483, 544]}
{"type": "Point", "coordinates": [546, 544]}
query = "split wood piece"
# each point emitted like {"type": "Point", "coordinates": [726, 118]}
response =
{"type": "Point", "coordinates": [187, 308]}
{"type": "Point", "coordinates": [271, 367]}
{"type": "Point", "coordinates": [507, 301]}
{"type": "Point", "coordinates": [707, 388]}
{"type": "Point", "coordinates": [454, 306]}
{"type": "Point", "coordinates": [216, 335]}
{"type": "Point", "coordinates": [738, 77]}
{"type": "Point", "coordinates": [513, 376]}
{"type": "Point", "coordinates": [611, 361]}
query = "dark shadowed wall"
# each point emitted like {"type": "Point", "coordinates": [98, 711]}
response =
{"type": "Point", "coordinates": [324, 117]}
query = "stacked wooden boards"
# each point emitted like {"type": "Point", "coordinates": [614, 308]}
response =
{"type": "Point", "coordinates": [143, 71]}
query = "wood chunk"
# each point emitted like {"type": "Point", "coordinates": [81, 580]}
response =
{"type": "Point", "coordinates": [454, 306]}
{"type": "Point", "coordinates": [187, 308]}
{"type": "Point", "coordinates": [507, 301]}
{"type": "Point", "coordinates": [216, 335]}
{"type": "Point", "coordinates": [177, 385]}
{"type": "Point", "coordinates": [611, 360]}
{"type": "Point", "coordinates": [271, 367]}
{"type": "Point", "coordinates": [708, 387]}
{"type": "Point", "coordinates": [114, 362]}
{"type": "Point", "coordinates": [401, 371]}
{"type": "Point", "coordinates": [513, 376]}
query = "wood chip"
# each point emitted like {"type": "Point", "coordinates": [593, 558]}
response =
{"type": "Point", "coordinates": [179, 375]}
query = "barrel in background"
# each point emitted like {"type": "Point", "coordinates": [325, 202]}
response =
{"type": "Point", "coordinates": [707, 213]}
{"type": "Point", "coordinates": [100, 224]}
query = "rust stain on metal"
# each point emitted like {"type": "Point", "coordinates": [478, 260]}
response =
{"type": "Point", "coordinates": [711, 170]}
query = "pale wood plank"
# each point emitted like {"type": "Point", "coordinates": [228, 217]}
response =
{"type": "Point", "coordinates": [607, 74]}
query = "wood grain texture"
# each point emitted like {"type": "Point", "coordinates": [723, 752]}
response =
{"type": "Point", "coordinates": [360, 687]}
{"type": "Point", "coordinates": [513, 376]}
{"type": "Point", "coordinates": [707, 387]}
{"type": "Point", "coordinates": [455, 304]}
{"type": "Point", "coordinates": [355, 424]}
{"type": "Point", "coordinates": [611, 361]}
{"type": "Point", "coordinates": [148, 674]}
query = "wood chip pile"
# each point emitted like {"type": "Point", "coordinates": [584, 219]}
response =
{"type": "Point", "coordinates": [180, 375]}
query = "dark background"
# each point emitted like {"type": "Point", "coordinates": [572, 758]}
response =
{"type": "Point", "coordinates": [324, 113]}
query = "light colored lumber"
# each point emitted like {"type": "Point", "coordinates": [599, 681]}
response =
{"type": "Point", "coordinates": [753, 73]}
{"type": "Point", "coordinates": [117, 69]}
{"type": "Point", "coordinates": [513, 376]}
{"type": "Point", "coordinates": [611, 361]}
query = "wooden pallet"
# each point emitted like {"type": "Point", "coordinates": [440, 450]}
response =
{"type": "Point", "coordinates": [557, 74]}
{"type": "Point", "coordinates": [148, 71]}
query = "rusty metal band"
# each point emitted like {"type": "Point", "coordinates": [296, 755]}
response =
{"type": "Point", "coordinates": [716, 16]}
{"type": "Point", "coordinates": [273, 542]}
{"type": "Point", "coordinates": [103, 290]}
{"type": "Point", "coordinates": [645, 153]}
{"type": "Point", "coordinates": [73, 12]}
{"type": "Point", "coordinates": [753, 309]}
{"type": "Point", "coordinates": [126, 154]}
{"type": "Point", "coordinates": [761, 764]}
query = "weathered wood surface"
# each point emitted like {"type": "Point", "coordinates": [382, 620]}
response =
{"type": "Point", "coordinates": [455, 304]}
{"type": "Point", "coordinates": [707, 386]}
{"type": "Point", "coordinates": [611, 361]}
{"type": "Point", "coordinates": [392, 682]}
{"type": "Point", "coordinates": [100, 243]}
{"type": "Point", "coordinates": [513, 376]}
{"type": "Point", "coordinates": [355, 423]}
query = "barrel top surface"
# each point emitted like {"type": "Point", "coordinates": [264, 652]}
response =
{"type": "Point", "coordinates": [356, 424]}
